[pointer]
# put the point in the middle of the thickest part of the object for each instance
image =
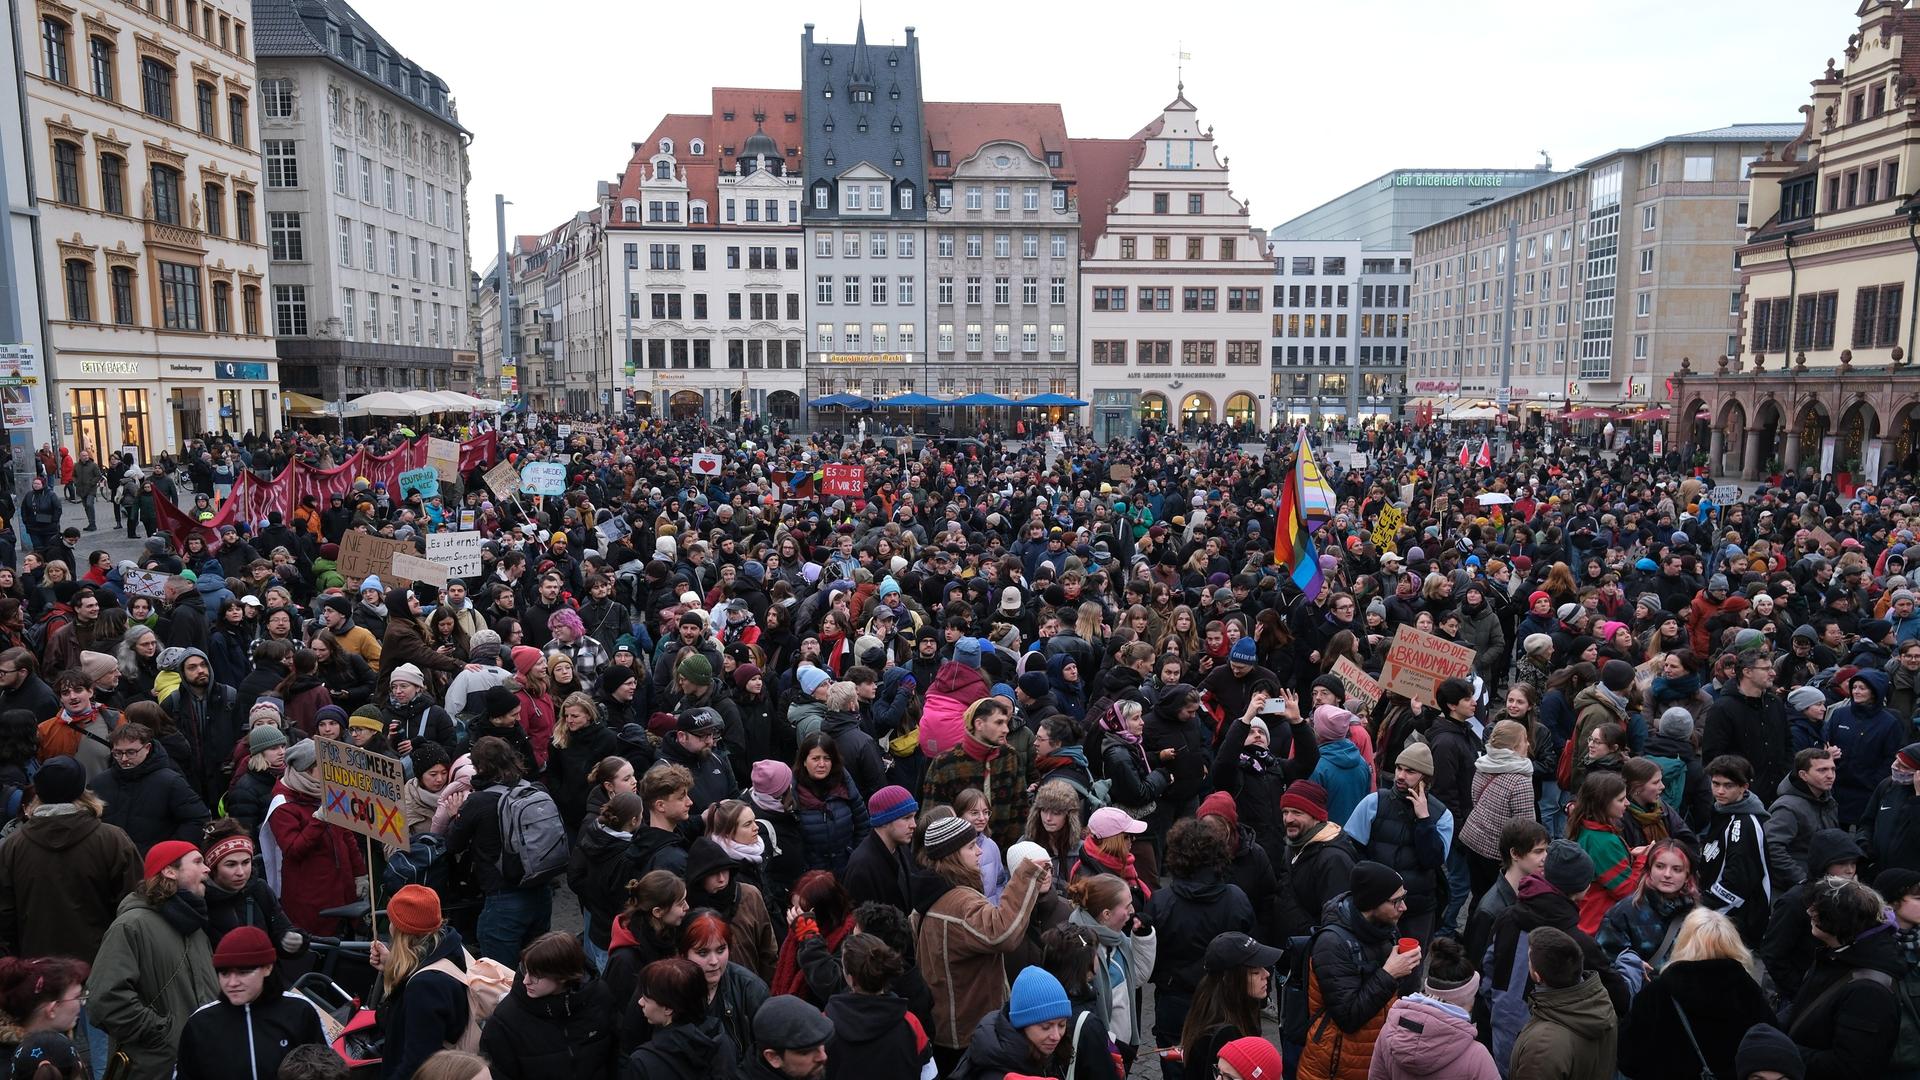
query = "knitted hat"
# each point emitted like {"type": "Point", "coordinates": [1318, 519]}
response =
{"type": "Point", "coordinates": [946, 836]}
{"type": "Point", "coordinates": [1802, 698]}
{"type": "Point", "coordinates": [242, 949]}
{"type": "Point", "coordinates": [484, 641]}
{"type": "Point", "coordinates": [1252, 1057]}
{"type": "Point", "coordinates": [1908, 758]}
{"type": "Point", "coordinates": [1807, 632]}
{"type": "Point", "coordinates": [1748, 638]}
{"type": "Point", "coordinates": [59, 780]}
{"type": "Point", "coordinates": [415, 909]}
{"type": "Point", "coordinates": [1569, 868]}
{"type": "Point", "coordinates": [1538, 595]}
{"type": "Point", "coordinates": [373, 582]}
{"type": "Point", "coordinates": [1870, 630]}
{"type": "Point", "coordinates": [427, 754]}
{"type": "Point", "coordinates": [1377, 606]}
{"type": "Point", "coordinates": [890, 804]}
{"type": "Point", "coordinates": [744, 674]}
{"type": "Point", "coordinates": [1460, 993]}
{"type": "Point", "coordinates": [1259, 725]}
{"type": "Point", "coordinates": [1538, 645]}
{"type": "Point", "coordinates": [165, 854]}
{"type": "Point", "coordinates": [1221, 805]}
{"type": "Point", "coordinates": [264, 738]}
{"type": "Point", "coordinates": [1330, 722]}
{"type": "Point", "coordinates": [1244, 652]}
{"type": "Point", "coordinates": [1717, 583]}
{"type": "Point", "coordinates": [1417, 757]}
{"type": "Point", "coordinates": [300, 756]}
{"type": "Point", "coordinates": [810, 679]}
{"type": "Point", "coordinates": [1765, 1048]}
{"type": "Point", "coordinates": [525, 658]}
{"type": "Point", "coordinates": [1676, 723]}
{"type": "Point", "coordinates": [368, 718]}
{"type": "Point", "coordinates": [1617, 676]}
{"type": "Point", "coordinates": [263, 710]}
{"type": "Point", "coordinates": [1035, 684]}
{"type": "Point", "coordinates": [1036, 998]}
{"type": "Point", "coordinates": [1307, 797]}
{"type": "Point", "coordinates": [339, 603]}
{"type": "Point", "coordinates": [96, 666]}
{"type": "Point", "coordinates": [772, 779]}
{"type": "Point", "coordinates": [499, 701]}
{"type": "Point", "coordinates": [967, 651]}
{"type": "Point", "coordinates": [696, 669]}
{"type": "Point", "coordinates": [1568, 612]}
{"type": "Point", "coordinates": [407, 673]}
{"type": "Point", "coordinates": [1373, 884]}
{"type": "Point", "coordinates": [1022, 853]}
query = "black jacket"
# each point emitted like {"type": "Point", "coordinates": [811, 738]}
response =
{"type": "Point", "coordinates": [1165, 730]}
{"type": "Point", "coordinates": [151, 801]}
{"type": "Point", "coordinates": [220, 1037]}
{"type": "Point", "coordinates": [253, 905]}
{"type": "Point", "coordinates": [1755, 729]}
{"type": "Point", "coordinates": [1316, 873]}
{"type": "Point", "coordinates": [1257, 784]}
{"type": "Point", "coordinates": [1454, 750]}
{"type": "Point", "coordinates": [998, 1048]}
{"type": "Point", "coordinates": [247, 800]}
{"type": "Point", "coordinates": [564, 1036]}
{"type": "Point", "coordinates": [1187, 915]}
{"type": "Point", "coordinates": [210, 726]}
{"type": "Point", "coordinates": [477, 827]}
{"type": "Point", "coordinates": [426, 1013]}
{"type": "Point", "coordinates": [1789, 947]}
{"type": "Point", "coordinates": [859, 753]}
{"type": "Point", "coordinates": [596, 872]}
{"type": "Point", "coordinates": [568, 766]}
{"type": "Point", "coordinates": [1891, 832]}
{"type": "Point", "coordinates": [1352, 993]}
{"type": "Point", "coordinates": [686, 1052]}
{"type": "Point", "coordinates": [1845, 1035]}
{"type": "Point", "coordinates": [260, 681]}
{"type": "Point", "coordinates": [873, 1037]}
{"type": "Point", "coordinates": [1721, 1002]}
{"type": "Point", "coordinates": [874, 873]}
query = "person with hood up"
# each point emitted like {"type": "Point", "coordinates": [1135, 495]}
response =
{"type": "Point", "coordinates": [254, 1011]}
{"type": "Point", "coordinates": [1738, 874]}
{"type": "Point", "coordinates": [1788, 949]}
{"type": "Point", "coordinates": [1246, 767]}
{"type": "Point", "coordinates": [956, 686]}
{"type": "Point", "coordinates": [1866, 736]}
{"type": "Point", "coordinates": [1605, 702]}
{"type": "Point", "coordinates": [1430, 1033]}
{"type": "Point", "coordinates": [1847, 1004]}
{"type": "Point", "coordinates": [1574, 1029]}
{"type": "Point", "coordinates": [874, 1032]}
{"type": "Point", "coordinates": [1067, 685]}
{"type": "Point", "coordinates": [714, 884]}
{"type": "Point", "coordinates": [1175, 739]}
{"type": "Point", "coordinates": [1804, 806]}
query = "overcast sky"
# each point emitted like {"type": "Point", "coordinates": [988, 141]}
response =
{"type": "Point", "coordinates": [1307, 99]}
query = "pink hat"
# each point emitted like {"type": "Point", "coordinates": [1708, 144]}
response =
{"type": "Point", "coordinates": [1607, 630]}
{"type": "Point", "coordinates": [1330, 722]}
{"type": "Point", "coordinates": [1112, 821]}
{"type": "Point", "coordinates": [773, 779]}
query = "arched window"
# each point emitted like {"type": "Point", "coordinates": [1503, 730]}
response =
{"type": "Point", "coordinates": [697, 148]}
{"type": "Point", "coordinates": [697, 213]}
{"type": "Point", "coordinates": [630, 213]}
{"type": "Point", "coordinates": [666, 146]}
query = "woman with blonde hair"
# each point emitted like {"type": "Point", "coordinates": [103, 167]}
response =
{"type": "Point", "coordinates": [579, 743]}
{"type": "Point", "coordinates": [453, 1065]}
{"type": "Point", "coordinates": [1184, 629]}
{"type": "Point", "coordinates": [1688, 1021]}
{"type": "Point", "coordinates": [1123, 961]}
{"type": "Point", "coordinates": [424, 1011]}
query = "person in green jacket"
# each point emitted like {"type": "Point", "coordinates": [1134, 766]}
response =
{"type": "Point", "coordinates": [155, 966]}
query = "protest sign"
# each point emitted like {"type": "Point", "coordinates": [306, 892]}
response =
{"type": "Point", "coordinates": [544, 478]}
{"type": "Point", "coordinates": [425, 481]}
{"type": "Point", "coordinates": [443, 456]}
{"type": "Point", "coordinates": [613, 529]}
{"type": "Point", "coordinates": [360, 791]}
{"type": "Point", "coordinates": [845, 481]}
{"type": "Point", "coordinates": [363, 553]}
{"type": "Point", "coordinates": [566, 430]}
{"type": "Point", "coordinates": [457, 552]}
{"type": "Point", "coordinates": [1119, 472]}
{"type": "Point", "coordinates": [466, 520]}
{"type": "Point", "coordinates": [503, 480]}
{"type": "Point", "coordinates": [706, 464]}
{"type": "Point", "coordinates": [1359, 684]}
{"type": "Point", "coordinates": [1418, 662]}
{"type": "Point", "coordinates": [410, 569]}
{"type": "Point", "coordinates": [1386, 526]}
{"type": "Point", "coordinates": [1725, 494]}
{"type": "Point", "coordinates": [146, 583]}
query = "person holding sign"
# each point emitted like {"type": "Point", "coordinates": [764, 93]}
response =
{"type": "Point", "coordinates": [312, 864]}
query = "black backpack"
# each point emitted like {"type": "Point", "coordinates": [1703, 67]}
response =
{"type": "Point", "coordinates": [1296, 1015]}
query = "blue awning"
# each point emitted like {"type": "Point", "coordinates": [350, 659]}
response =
{"type": "Point", "coordinates": [1051, 401]}
{"type": "Point", "coordinates": [845, 401]}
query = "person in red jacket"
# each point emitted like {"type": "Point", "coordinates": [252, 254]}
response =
{"type": "Point", "coordinates": [311, 864]}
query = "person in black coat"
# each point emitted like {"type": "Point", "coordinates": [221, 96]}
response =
{"type": "Point", "coordinates": [272, 660]}
{"type": "Point", "coordinates": [1194, 904]}
{"type": "Point", "coordinates": [1246, 768]}
{"type": "Point", "coordinates": [687, 1043]}
{"type": "Point", "coordinates": [245, 1032]}
{"type": "Point", "coordinates": [579, 743]}
{"type": "Point", "coordinates": [556, 1022]}
{"type": "Point", "coordinates": [237, 897]}
{"type": "Point", "coordinates": [881, 868]}
{"type": "Point", "coordinates": [1890, 832]}
{"type": "Point", "coordinates": [1249, 867]}
{"type": "Point", "coordinates": [145, 794]}
{"type": "Point", "coordinates": [1721, 1001]}
{"type": "Point", "coordinates": [875, 1032]}
{"type": "Point", "coordinates": [1848, 1003]}
{"type": "Point", "coordinates": [1317, 860]}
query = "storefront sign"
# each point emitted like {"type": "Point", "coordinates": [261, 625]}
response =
{"type": "Point", "coordinates": [228, 369]}
{"type": "Point", "coordinates": [1476, 180]}
{"type": "Point", "coordinates": [865, 358]}
{"type": "Point", "coordinates": [109, 367]}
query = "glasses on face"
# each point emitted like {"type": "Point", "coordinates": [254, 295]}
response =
{"type": "Point", "coordinates": [77, 999]}
{"type": "Point", "coordinates": [127, 754]}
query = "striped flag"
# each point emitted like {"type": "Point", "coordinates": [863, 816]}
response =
{"type": "Point", "coordinates": [1311, 494]}
{"type": "Point", "coordinates": [1293, 546]}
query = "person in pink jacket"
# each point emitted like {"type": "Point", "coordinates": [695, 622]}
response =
{"type": "Point", "coordinates": [958, 684]}
{"type": "Point", "coordinates": [1430, 1033]}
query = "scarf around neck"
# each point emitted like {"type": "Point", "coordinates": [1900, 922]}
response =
{"type": "Point", "coordinates": [301, 784]}
{"type": "Point", "coordinates": [976, 749]}
{"type": "Point", "coordinates": [1090, 849]}
{"type": "Point", "coordinates": [1502, 760]}
{"type": "Point", "coordinates": [1652, 821]}
{"type": "Point", "coordinates": [753, 853]}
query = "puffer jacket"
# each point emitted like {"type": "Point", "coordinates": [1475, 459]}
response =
{"type": "Point", "coordinates": [1480, 630]}
{"type": "Point", "coordinates": [959, 943]}
{"type": "Point", "coordinates": [568, 1034]}
{"type": "Point", "coordinates": [942, 716]}
{"type": "Point", "coordinates": [151, 801]}
{"type": "Point", "coordinates": [1426, 1037]}
{"type": "Point", "coordinates": [832, 821]}
{"type": "Point", "coordinates": [1640, 924]}
{"type": "Point", "coordinates": [1348, 993]}
{"type": "Point", "coordinates": [568, 766]}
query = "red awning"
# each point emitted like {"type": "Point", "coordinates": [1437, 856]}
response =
{"type": "Point", "coordinates": [1649, 416]}
{"type": "Point", "coordinates": [1589, 413]}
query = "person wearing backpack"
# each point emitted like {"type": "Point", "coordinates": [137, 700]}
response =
{"type": "Point", "coordinates": [1353, 973]}
{"type": "Point", "coordinates": [425, 1009]}
{"type": "Point", "coordinates": [1847, 1004]}
{"type": "Point", "coordinates": [510, 855]}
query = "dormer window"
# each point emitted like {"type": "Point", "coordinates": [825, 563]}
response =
{"type": "Point", "coordinates": [827, 124]}
{"type": "Point", "coordinates": [727, 115]}
{"type": "Point", "coordinates": [791, 117]}
{"type": "Point", "coordinates": [893, 59]}
{"type": "Point", "coordinates": [826, 92]}
{"type": "Point", "coordinates": [1053, 159]}
{"type": "Point", "coordinates": [861, 127]}
{"type": "Point", "coordinates": [894, 94]}
{"type": "Point", "coordinates": [896, 125]}
{"type": "Point", "coordinates": [826, 59]}
{"type": "Point", "coordinates": [666, 146]}
{"type": "Point", "coordinates": [829, 160]}
{"type": "Point", "coordinates": [863, 95]}
{"type": "Point", "coordinates": [630, 212]}
{"type": "Point", "coordinates": [662, 170]}
{"type": "Point", "coordinates": [696, 148]}
{"type": "Point", "coordinates": [942, 158]}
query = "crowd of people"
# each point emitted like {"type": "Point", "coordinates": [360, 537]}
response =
{"type": "Point", "coordinates": [1025, 759]}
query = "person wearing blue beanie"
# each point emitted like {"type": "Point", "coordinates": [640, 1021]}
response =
{"type": "Point", "coordinates": [1036, 998]}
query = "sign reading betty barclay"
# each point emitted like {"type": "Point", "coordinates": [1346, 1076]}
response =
{"type": "Point", "coordinates": [1418, 662]}
{"type": "Point", "coordinates": [361, 791]}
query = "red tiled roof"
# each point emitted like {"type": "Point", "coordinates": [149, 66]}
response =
{"type": "Point", "coordinates": [1103, 166]}
{"type": "Point", "coordinates": [962, 127]}
{"type": "Point", "coordinates": [719, 136]}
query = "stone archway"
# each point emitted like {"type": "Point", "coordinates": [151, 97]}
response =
{"type": "Point", "coordinates": [1857, 438]}
{"type": "Point", "coordinates": [1727, 442]}
{"type": "Point", "coordinates": [1196, 408]}
{"type": "Point", "coordinates": [1694, 430]}
{"type": "Point", "coordinates": [1812, 424]}
{"type": "Point", "coordinates": [1765, 442]}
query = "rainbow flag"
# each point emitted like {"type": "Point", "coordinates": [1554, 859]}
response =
{"type": "Point", "coordinates": [1310, 491]}
{"type": "Point", "coordinates": [1293, 546]}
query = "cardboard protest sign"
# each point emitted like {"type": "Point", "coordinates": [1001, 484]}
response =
{"type": "Point", "coordinates": [544, 478]}
{"type": "Point", "coordinates": [146, 583]}
{"type": "Point", "coordinates": [363, 553]}
{"type": "Point", "coordinates": [845, 481]}
{"type": "Point", "coordinates": [1418, 662]}
{"type": "Point", "coordinates": [1119, 472]}
{"type": "Point", "coordinates": [411, 568]}
{"type": "Point", "coordinates": [1387, 526]}
{"type": "Point", "coordinates": [1359, 684]}
{"type": "Point", "coordinates": [425, 482]}
{"type": "Point", "coordinates": [503, 480]}
{"type": "Point", "coordinates": [457, 552]}
{"type": "Point", "coordinates": [566, 430]}
{"type": "Point", "coordinates": [443, 456]}
{"type": "Point", "coordinates": [706, 465]}
{"type": "Point", "coordinates": [613, 529]}
{"type": "Point", "coordinates": [360, 791]}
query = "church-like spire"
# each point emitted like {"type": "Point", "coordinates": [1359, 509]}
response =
{"type": "Point", "coordinates": [862, 72]}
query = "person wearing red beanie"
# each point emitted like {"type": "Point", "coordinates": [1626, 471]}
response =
{"type": "Point", "coordinates": [155, 965]}
{"type": "Point", "coordinates": [1249, 1058]}
{"type": "Point", "coordinates": [247, 1030]}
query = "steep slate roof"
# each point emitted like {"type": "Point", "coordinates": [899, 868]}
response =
{"type": "Point", "coordinates": [294, 28]}
{"type": "Point", "coordinates": [963, 127]}
{"type": "Point", "coordinates": [886, 70]}
{"type": "Point", "coordinates": [1103, 165]}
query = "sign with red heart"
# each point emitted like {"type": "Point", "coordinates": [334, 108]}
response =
{"type": "Point", "coordinates": [706, 464]}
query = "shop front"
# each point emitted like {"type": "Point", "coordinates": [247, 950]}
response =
{"type": "Point", "coordinates": [150, 406]}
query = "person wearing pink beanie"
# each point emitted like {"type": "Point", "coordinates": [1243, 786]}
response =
{"type": "Point", "coordinates": [1342, 770]}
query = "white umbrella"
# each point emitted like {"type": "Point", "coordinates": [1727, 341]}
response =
{"type": "Point", "coordinates": [1494, 498]}
{"type": "Point", "coordinates": [385, 403]}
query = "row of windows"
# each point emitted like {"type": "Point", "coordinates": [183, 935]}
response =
{"type": "Point", "coordinates": [400, 137]}
{"type": "Point", "coordinates": [973, 197]}
{"type": "Point", "coordinates": [1003, 337]}
{"type": "Point", "coordinates": [1002, 245]}
{"type": "Point", "coordinates": [205, 22]}
{"type": "Point", "coordinates": [1193, 353]}
{"type": "Point", "coordinates": [157, 80]}
{"type": "Point", "coordinates": [756, 306]}
{"type": "Point", "coordinates": [1307, 326]}
{"type": "Point", "coordinates": [1192, 298]}
{"type": "Point", "coordinates": [418, 331]}
{"type": "Point", "coordinates": [903, 289]}
{"type": "Point", "coordinates": [855, 198]}
{"type": "Point", "coordinates": [855, 337]}
{"type": "Point", "coordinates": [286, 225]}
{"type": "Point", "coordinates": [169, 205]}
{"type": "Point", "coordinates": [881, 386]}
{"type": "Point", "coordinates": [1196, 246]}
{"type": "Point", "coordinates": [1336, 355]}
{"type": "Point", "coordinates": [667, 257]}
{"type": "Point", "coordinates": [180, 299]}
{"type": "Point", "coordinates": [755, 211]}
{"type": "Point", "coordinates": [1002, 290]}
{"type": "Point", "coordinates": [398, 192]}
{"type": "Point", "coordinates": [662, 354]}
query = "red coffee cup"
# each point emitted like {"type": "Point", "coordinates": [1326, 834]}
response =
{"type": "Point", "coordinates": [1408, 944]}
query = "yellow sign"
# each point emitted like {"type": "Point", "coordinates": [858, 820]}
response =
{"type": "Point", "coordinates": [1386, 526]}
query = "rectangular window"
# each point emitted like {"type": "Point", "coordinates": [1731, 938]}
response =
{"type": "Point", "coordinates": [822, 290]}
{"type": "Point", "coordinates": [366, 179]}
{"type": "Point", "coordinates": [904, 288]}
{"type": "Point", "coordinates": [1029, 338]}
{"type": "Point", "coordinates": [1890, 297]}
{"type": "Point", "coordinates": [944, 337]}
{"type": "Point", "coordinates": [283, 168]}
{"type": "Point", "coordinates": [877, 289]}
{"type": "Point", "coordinates": [122, 285]}
{"type": "Point", "coordinates": [1699, 168]}
{"type": "Point", "coordinates": [1002, 290]}
{"type": "Point", "coordinates": [1030, 245]}
{"type": "Point", "coordinates": [156, 88]}
{"type": "Point", "coordinates": [389, 188]}
{"type": "Point", "coordinates": [166, 194]}
{"type": "Point", "coordinates": [79, 274]}
{"type": "Point", "coordinates": [113, 184]}
{"type": "Point", "coordinates": [1002, 198]}
{"type": "Point", "coordinates": [1127, 246]}
{"type": "Point", "coordinates": [1057, 291]}
{"type": "Point", "coordinates": [100, 58]}
{"type": "Point", "coordinates": [284, 236]}
{"type": "Point", "coordinates": [1866, 323]}
{"type": "Point", "coordinates": [973, 337]}
{"type": "Point", "coordinates": [1002, 246]}
{"type": "Point", "coordinates": [1161, 246]}
{"type": "Point", "coordinates": [1030, 290]}
{"type": "Point", "coordinates": [943, 290]}
{"type": "Point", "coordinates": [179, 296]}
{"type": "Point", "coordinates": [344, 241]}
{"type": "Point", "coordinates": [1160, 200]}
{"type": "Point", "coordinates": [850, 289]}
{"type": "Point", "coordinates": [1002, 337]}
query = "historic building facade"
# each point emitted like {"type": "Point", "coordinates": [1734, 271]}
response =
{"type": "Point", "coordinates": [1821, 375]}
{"type": "Point", "coordinates": [366, 175]}
{"type": "Point", "coordinates": [1173, 283]}
{"type": "Point", "coordinates": [145, 154]}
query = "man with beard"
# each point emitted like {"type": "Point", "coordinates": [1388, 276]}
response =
{"type": "Point", "coordinates": [22, 688]}
{"type": "Point", "coordinates": [1407, 828]}
{"type": "Point", "coordinates": [185, 623]}
{"type": "Point", "coordinates": [540, 609]}
{"type": "Point", "coordinates": [694, 745]}
{"type": "Point", "coordinates": [1318, 858]}
{"type": "Point", "coordinates": [982, 759]}
{"type": "Point", "coordinates": [790, 1041]}
{"type": "Point", "coordinates": [203, 712]}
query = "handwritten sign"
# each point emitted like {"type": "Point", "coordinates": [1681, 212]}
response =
{"type": "Point", "coordinates": [503, 480]}
{"type": "Point", "coordinates": [845, 481]}
{"type": "Point", "coordinates": [612, 529]}
{"type": "Point", "coordinates": [1359, 684]}
{"type": "Point", "coordinates": [412, 569]}
{"type": "Point", "coordinates": [457, 552]}
{"type": "Point", "coordinates": [544, 478]}
{"type": "Point", "coordinates": [443, 456]}
{"type": "Point", "coordinates": [1120, 472]}
{"type": "Point", "coordinates": [360, 791]}
{"type": "Point", "coordinates": [363, 553]}
{"type": "Point", "coordinates": [1725, 494]}
{"type": "Point", "coordinates": [424, 482]}
{"type": "Point", "coordinates": [1418, 662]}
{"type": "Point", "coordinates": [706, 465]}
{"type": "Point", "coordinates": [146, 583]}
{"type": "Point", "coordinates": [566, 430]}
{"type": "Point", "coordinates": [1387, 526]}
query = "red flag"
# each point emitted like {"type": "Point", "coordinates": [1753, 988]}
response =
{"type": "Point", "coordinates": [1464, 457]}
{"type": "Point", "coordinates": [1485, 460]}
